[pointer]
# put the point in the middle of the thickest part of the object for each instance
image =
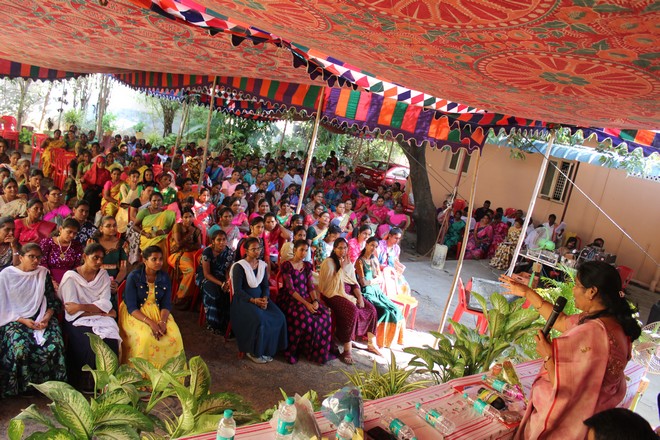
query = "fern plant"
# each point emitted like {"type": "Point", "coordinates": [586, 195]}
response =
{"type": "Point", "coordinates": [467, 352]}
{"type": "Point", "coordinates": [375, 385]}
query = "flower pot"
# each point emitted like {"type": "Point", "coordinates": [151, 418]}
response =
{"type": "Point", "coordinates": [139, 135]}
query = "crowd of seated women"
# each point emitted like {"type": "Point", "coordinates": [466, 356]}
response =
{"type": "Point", "coordinates": [139, 223]}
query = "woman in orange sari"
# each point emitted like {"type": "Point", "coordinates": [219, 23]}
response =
{"type": "Point", "coordinates": [112, 193]}
{"type": "Point", "coordinates": [49, 146]}
{"type": "Point", "coordinates": [185, 241]}
{"type": "Point", "coordinates": [582, 371]}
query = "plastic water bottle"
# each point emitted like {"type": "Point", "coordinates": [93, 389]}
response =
{"type": "Point", "coordinates": [227, 426]}
{"type": "Point", "coordinates": [286, 419]}
{"type": "Point", "coordinates": [346, 428]}
{"type": "Point", "coordinates": [439, 422]}
{"type": "Point", "coordinates": [489, 411]}
{"type": "Point", "coordinates": [400, 430]}
{"type": "Point", "coordinates": [508, 390]}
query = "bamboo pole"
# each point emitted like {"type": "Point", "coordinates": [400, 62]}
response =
{"type": "Point", "coordinates": [532, 202]}
{"type": "Point", "coordinates": [310, 151]}
{"type": "Point", "coordinates": [208, 136]}
{"type": "Point", "coordinates": [184, 114]}
{"type": "Point", "coordinates": [466, 235]}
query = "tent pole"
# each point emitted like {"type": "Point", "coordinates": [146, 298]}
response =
{"type": "Point", "coordinates": [310, 152]}
{"type": "Point", "coordinates": [208, 136]}
{"type": "Point", "coordinates": [286, 121]}
{"type": "Point", "coordinates": [389, 156]}
{"type": "Point", "coordinates": [570, 191]}
{"type": "Point", "coordinates": [466, 234]}
{"type": "Point", "coordinates": [184, 114]}
{"type": "Point", "coordinates": [532, 202]}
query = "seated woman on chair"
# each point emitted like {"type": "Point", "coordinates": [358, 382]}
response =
{"type": "Point", "coordinates": [259, 325]}
{"type": "Point", "coordinates": [86, 295]}
{"type": "Point", "coordinates": [146, 327]}
{"type": "Point", "coordinates": [213, 280]}
{"type": "Point", "coordinates": [185, 241]}
{"type": "Point", "coordinates": [355, 316]}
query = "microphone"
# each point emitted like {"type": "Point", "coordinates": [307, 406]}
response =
{"type": "Point", "coordinates": [556, 310]}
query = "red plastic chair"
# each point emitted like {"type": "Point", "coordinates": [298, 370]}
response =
{"type": "Point", "coordinates": [464, 307]}
{"type": "Point", "coordinates": [459, 205]}
{"type": "Point", "coordinates": [37, 141]}
{"type": "Point", "coordinates": [510, 212]}
{"type": "Point", "coordinates": [9, 129]}
{"type": "Point", "coordinates": [626, 275]}
{"type": "Point", "coordinates": [120, 292]}
{"type": "Point", "coordinates": [61, 161]}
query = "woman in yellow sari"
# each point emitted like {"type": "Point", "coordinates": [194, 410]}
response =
{"type": "Point", "coordinates": [154, 224]}
{"type": "Point", "coordinates": [146, 327]}
{"type": "Point", "coordinates": [111, 193]}
{"type": "Point", "coordinates": [185, 241]}
{"type": "Point", "coordinates": [47, 156]}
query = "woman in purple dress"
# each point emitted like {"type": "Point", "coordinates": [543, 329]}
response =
{"type": "Point", "coordinates": [309, 325]}
{"type": "Point", "coordinates": [62, 253]}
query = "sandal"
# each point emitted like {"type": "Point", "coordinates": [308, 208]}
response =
{"type": "Point", "coordinates": [373, 349]}
{"type": "Point", "coordinates": [346, 358]}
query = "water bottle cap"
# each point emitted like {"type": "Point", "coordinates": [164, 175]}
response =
{"type": "Point", "coordinates": [228, 414]}
{"type": "Point", "coordinates": [290, 400]}
{"type": "Point", "coordinates": [483, 377]}
{"type": "Point", "coordinates": [418, 405]}
{"type": "Point", "coordinates": [348, 418]}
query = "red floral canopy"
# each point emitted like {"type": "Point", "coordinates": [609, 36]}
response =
{"type": "Point", "coordinates": [591, 63]}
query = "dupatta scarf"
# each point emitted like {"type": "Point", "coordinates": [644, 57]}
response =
{"type": "Point", "coordinates": [22, 296]}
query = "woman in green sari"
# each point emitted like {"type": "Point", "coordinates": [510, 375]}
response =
{"type": "Point", "coordinates": [455, 231]}
{"type": "Point", "coordinates": [391, 324]}
{"type": "Point", "coordinates": [154, 223]}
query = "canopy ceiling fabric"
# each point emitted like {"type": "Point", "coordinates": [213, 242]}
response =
{"type": "Point", "coordinates": [501, 55]}
{"type": "Point", "coordinates": [589, 62]}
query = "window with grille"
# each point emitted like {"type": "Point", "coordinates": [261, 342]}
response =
{"type": "Point", "coordinates": [555, 184]}
{"type": "Point", "coordinates": [455, 161]}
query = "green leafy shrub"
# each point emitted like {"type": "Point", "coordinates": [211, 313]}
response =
{"type": "Point", "coordinates": [467, 352]}
{"type": "Point", "coordinates": [129, 401]}
{"type": "Point", "coordinates": [310, 395]}
{"type": "Point", "coordinates": [375, 385]}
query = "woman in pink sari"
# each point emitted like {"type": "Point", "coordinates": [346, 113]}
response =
{"type": "Point", "coordinates": [480, 239]}
{"type": "Point", "coordinates": [500, 229]}
{"type": "Point", "coordinates": [582, 373]}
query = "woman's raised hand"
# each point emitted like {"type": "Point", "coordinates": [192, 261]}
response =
{"type": "Point", "coordinates": [514, 287]}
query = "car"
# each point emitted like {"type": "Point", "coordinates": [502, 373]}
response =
{"type": "Point", "coordinates": [377, 172]}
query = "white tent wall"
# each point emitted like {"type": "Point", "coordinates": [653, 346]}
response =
{"type": "Point", "coordinates": [508, 183]}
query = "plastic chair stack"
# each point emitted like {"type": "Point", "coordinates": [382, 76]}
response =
{"type": "Point", "coordinates": [9, 129]}
{"type": "Point", "coordinates": [61, 161]}
{"type": "Point", "coordinates": [37, 141]}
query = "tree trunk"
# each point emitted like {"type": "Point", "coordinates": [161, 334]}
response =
{"type": "Point", "coordinates": [424, 215]}
{"type": "Point", "coordinates": [46, 99]}
{"type": "Point", "coordinates": [169, 111]}
{"type": "Point", "coordinates": [104, 100]}
{"type": "Point", "coordinates": [23, 86]}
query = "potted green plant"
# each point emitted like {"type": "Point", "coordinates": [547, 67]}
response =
{"type": "Point", "coordinates": [72, 117]}
{"type": "Point", "coordinates": [25, 139]}
{"type": "Point", "coordinates": [139, 128]}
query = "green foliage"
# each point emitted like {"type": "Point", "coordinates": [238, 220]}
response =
{"type": "Point", "coordinates": [632, 162]}
{"type": "Point", "coordinates": [129, 401]}
{"type": "Point", "coordinates": [139, 127]}
{"type": "Point", "coordinates": [310, 395]}
{"type": "Point", "coordinates": [467, 352]}
{"type": "Point", "coordinates": [375, 384]}
{"type": "Point", "coordinates": [108, 124]}
{"type": "Point", "coordinates": [25, 136]}
{"type": "Point", "coordinates": [73, 117]}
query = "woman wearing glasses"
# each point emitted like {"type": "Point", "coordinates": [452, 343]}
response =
{"type": "Point", "coordinates": [259, 325]}
{"type": "Point", "coordinates": [31, 345]}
